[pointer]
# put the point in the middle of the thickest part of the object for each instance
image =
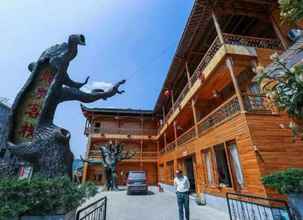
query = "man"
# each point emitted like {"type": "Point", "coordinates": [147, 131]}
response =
{"type": "Point", "coordinates": [182, 184]}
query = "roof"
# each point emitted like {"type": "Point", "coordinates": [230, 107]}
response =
{"type": "Point", "coordinates": [117, 111]}
{"type": "Point", "coordinates": [3, 105]}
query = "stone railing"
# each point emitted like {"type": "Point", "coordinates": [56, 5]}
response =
{"type": "Point", "coordinates": [186, 136]}
{"type": "Point", "coordinates": [224, 111]}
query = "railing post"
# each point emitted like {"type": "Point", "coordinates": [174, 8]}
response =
{"type": "Point", "coordinates": [193, 105]}
{"type": "Point", "coordinates": [278, 33]}
{"type": "Point", "coordinates": [175, 133]}
{"type": "Point", "coordinates": [188, 74]}
{"type": "Point", "coordinates": [229, 65]}
{"type": "Point", "coordinates": [165, 141]}
{"type": "Point", "coordinates": [172, 100]}
{"type": "Point", "coordinates": [217, 26]}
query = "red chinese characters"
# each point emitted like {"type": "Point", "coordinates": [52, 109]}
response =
{"type": "Point", "coordinates": [27, 130]}
{"type": "Point", "coordinates": [33, 110]}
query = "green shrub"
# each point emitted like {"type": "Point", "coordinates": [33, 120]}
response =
{"type": "Point", "coordinates": [291, 10]}
{"type": "Point", "coordinates": [41, 196]}
{"type": "Point", "coordinates": [286, 182]}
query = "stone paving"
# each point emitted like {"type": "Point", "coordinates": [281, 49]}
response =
{"type": "Point", "coordinates": [155, 206]}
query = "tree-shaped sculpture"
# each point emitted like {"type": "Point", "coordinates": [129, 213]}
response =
{"type": "Point", "coordinates": [111, 154]}
{"type": "Point", "coordinates": [31, 136]}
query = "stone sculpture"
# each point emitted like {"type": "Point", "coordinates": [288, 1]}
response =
{"type": "Point", "coordinates": [31, 137]}
{"type": "Point", "coordinates": [111, 154]}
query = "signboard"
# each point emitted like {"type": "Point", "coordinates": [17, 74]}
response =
{"type": "Point", "coordinates": [25, 172]}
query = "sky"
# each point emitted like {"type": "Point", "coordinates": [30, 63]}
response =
{"type": "Point", "coordinates": [125, 39]}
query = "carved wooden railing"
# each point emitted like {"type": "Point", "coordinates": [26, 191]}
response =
{"type": "Point", "coordinates": [186, 136]}
{"type": "Point", "coordinates": [171, 146]}
{"type": "Point", "coordinates": [257, 103]}
{"type": "Point", "coordinates": [95, 155]}
{"type": "Point", "coordinates": [224, 111]}
{"type": "Point", "coordinates": [182, 95]}
{"type": "Point", "coordinates": [252, 41]}
{"type": "Point", "coordinates": [125, 131]}
{"type": "Point", "coordinates": [230, 39]}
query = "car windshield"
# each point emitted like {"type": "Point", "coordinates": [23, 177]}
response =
{"type": "Point", "coordinates": [137, 175]}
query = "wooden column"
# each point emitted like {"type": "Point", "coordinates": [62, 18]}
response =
{"type": "Point", "coordinates": [163, 113]}
{"type": "Point", "coordinates": [188, 74]}
{"type": "Point", "coordinates": [175, 133]}
{"type": "Point", "coordinates": [172, 100]}
{"type": "Point", "coordinates": [141, 155]}
{"type": "Point", "coordinates": [193, 105]}
{"type": "Point", "coordinates": [279, 33]}
{"type": "Point", "coordinates": [158, 149]}
{"type": "Point", "coordinates": [217, 26]}
{"type": "Point", "coordinates": [165, 141]}
{"type": "Point", "coordinates": [229, 64]}
{"type": "Point", "coordinates": [85, 165]}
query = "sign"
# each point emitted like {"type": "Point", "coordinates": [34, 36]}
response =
{"type": "Point", "coordinates": [25, 172]}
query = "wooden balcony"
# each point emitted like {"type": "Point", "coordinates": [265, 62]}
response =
{"type": "Point", "coordinates": [138, 157]}
{"type": "Point", "coordinates": [234, 45]}
{"type": "Point", "coordinates": [253, 104]}
{"type": "Point", "coordinates": [122, 133]}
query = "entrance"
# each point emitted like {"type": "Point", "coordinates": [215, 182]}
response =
{"type": "Point", "coordinates": [189, 168]}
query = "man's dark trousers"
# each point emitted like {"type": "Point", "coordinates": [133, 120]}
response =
{"type": "Point", "coordinates": [183, 204]}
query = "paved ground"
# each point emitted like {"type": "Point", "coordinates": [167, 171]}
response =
{"type": "Point", "coordinates": [156, 206]}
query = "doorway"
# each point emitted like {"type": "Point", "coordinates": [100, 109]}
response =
{"type": "Point", "coordinates": [189, 169]}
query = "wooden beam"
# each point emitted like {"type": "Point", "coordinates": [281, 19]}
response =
{"type": "Point", "coordinates": [193, 105]}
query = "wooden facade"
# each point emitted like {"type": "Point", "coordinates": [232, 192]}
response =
{"type": "Point", "coordinates": [210, 119]}
{"type": "Point", "coordinates": [135, 129]}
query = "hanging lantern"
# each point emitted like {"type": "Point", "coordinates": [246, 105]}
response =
{"type": "Point", "coordinates": [167, 93]}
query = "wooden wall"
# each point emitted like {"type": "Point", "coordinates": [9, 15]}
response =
{"type": "Point", "coordinates": [274, 143]}
{"type": "Point", "coordinates": [233, 129]}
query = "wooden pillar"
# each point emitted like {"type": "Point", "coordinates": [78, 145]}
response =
{"type": "Point", "coordinates": [188, 74]}
{"type": "Point", "coordinates": [193, 105]}
{"type": "Point", "coordinates": [163, 112]}
{"type": "Point", "coordinates": [172, 100]}
{"type": "Point", "coordinates": [165, 141]}
{"type": "Point", "coordinates": [279, 33]}
{"type": "Point", "coordinates": [85, 165]}
{"type": "Point", "coordinates": [175, 133]}
{"type": "Point", "coordinates": [141, 154]}
{"type": "Point", "coordinates": [158, 149]}
{"type": "Point", "coordinates": [217, 26]}
{"type": "Point", "coordinates": [229, 64]}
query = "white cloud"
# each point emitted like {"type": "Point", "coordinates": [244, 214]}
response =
{"type": "Point", "coordinates": [97, 85]}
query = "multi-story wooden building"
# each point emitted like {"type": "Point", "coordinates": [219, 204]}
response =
{"type": "Point", "coordinates": [214, 123]}
{"type": "Point", "coordinates": [136, 129]}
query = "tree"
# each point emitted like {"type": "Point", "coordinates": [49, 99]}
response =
{"type": "Point", "coordinates": [111, 154]}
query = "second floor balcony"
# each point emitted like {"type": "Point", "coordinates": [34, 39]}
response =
{"type": "Point", "coordinates": [234, 45]}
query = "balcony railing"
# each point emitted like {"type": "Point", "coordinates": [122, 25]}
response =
{"type": "Point", "coordinates": [229, 39]}
{"type": "Point", "coordinates": [139, 156]}
{"type": "Point", "coordinates": [124, 131]}
{"type": "Point", "coordinates": [224, 111]}
{"type": "Point", "coordinates": [257, 103]}
{"type": "Point", "coordinates": [186, 136]}
{"type": "Point", "coordinates": [171, 146]}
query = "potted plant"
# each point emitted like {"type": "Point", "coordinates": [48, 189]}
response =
{"type": "Point", "coordinates": [288, 182]}
{"type": "Point", "coordinates": [42, 198]}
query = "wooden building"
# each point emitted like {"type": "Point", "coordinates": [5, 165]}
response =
{"type": "Point", "coordinates": [136, 129]}
{"type": "Point", "coordinates": [214, 124]}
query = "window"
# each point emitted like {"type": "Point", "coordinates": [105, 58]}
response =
{"type": "Point", "coordinates": [209, 167]}
{"type": "Point", "coordinates": [97, 126]}
{"type": "Point", "coordinates": [236, 164]}
{"type": "Point", "coordinates": [222, 166]}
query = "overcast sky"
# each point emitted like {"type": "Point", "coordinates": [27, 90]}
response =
{"type": "Point", "coordinates": [126, 39]}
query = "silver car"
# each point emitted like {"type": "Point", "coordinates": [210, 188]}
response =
{"type": "Point", "coordinates": [136, 182]}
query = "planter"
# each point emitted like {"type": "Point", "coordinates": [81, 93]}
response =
{"type": "Point", "coordinates": [295, 201]}
{"type": "Point", "coordinates": [68, 216]}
